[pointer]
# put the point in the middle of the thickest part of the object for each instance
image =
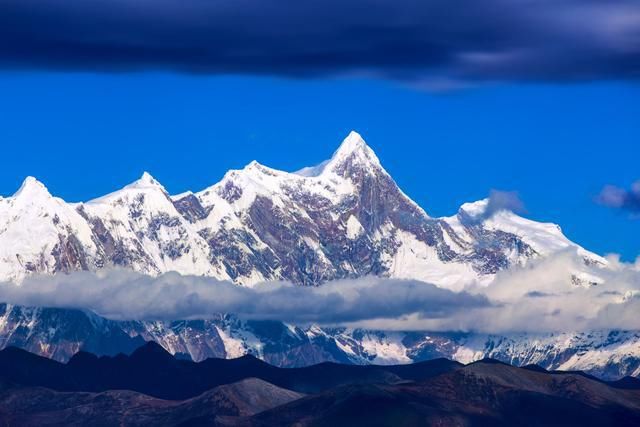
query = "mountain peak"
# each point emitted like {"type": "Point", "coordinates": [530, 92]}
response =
{"type": "Point", "coordinates": [31, 187]}
{"type": "Point", "coordinates": [151, 350]}
{"type": "Point", "coordinates": [352, 142]}
{"type": "Point", "coordinates": [254, 165]}
{"type": "Point", "coordinates": [145, 184]}
{"type": "Point", "coordinates": [146, 181]}
{"type": "Point", "coordinates": [474, 209]}
{"type": "Point", "coordinates": [353, 149]}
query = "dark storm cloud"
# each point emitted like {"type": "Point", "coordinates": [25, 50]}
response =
{"type": "Point", "coordinates": [621, 198]}
{"type": "Point", "coordinates": [437, 43]}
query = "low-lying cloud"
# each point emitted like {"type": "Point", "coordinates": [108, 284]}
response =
{"type": "Point", "coordinates": [434, 43]}
{"type": "Point", "coordinates": [542, 297]}
{"type": "Point", "coordinates": [558, 294]}
{"type": "Point", "coordinates": [126, 295]}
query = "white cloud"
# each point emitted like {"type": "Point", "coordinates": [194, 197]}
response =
{"type": "Point", "coordinates": [122, 294]}
{"type": "Point", "coordinates": [542, 298]}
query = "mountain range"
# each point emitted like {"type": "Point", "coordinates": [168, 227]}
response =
{"type": "Point", "coordinates": [344, 218]}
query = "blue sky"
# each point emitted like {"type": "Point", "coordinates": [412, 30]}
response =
{"type": "Point", "coordinates": [86, 134]}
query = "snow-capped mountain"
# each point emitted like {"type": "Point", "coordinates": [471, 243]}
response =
{"type": "Point", "coordinates": [344, 218]}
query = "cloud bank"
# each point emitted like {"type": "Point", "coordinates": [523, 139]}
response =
{"type": "Point", "coordinates": [126, 295]}
{"type": "Point", "coordinates": [542, 297]}
{"type": "Point", "coordinates": [434, 43]}
{"type": "Point", "coordinates": [546, 297]}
